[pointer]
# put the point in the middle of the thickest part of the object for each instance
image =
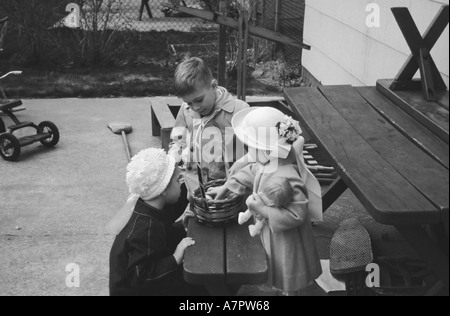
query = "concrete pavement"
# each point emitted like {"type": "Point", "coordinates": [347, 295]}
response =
{"type": "Point", "coordinates": [54, 202]}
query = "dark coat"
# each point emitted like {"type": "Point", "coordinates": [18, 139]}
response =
{"type": "Point", "coordinates": [141, 258]}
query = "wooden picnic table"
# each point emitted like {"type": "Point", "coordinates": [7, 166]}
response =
{"type": "Point", "coordinates": [224, 258]}
{"type": "Point", "coordinates": [393, 155]}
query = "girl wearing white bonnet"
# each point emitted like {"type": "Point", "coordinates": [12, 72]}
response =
{"type": "Point", "coordinates": [148, 250]}
{"type": "Point", "coordinates": [287, 234]}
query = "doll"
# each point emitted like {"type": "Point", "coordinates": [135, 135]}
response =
{"type": "Point", "coordinates": [278, 194]}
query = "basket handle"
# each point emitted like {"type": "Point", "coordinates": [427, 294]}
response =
{"type": "Point", "coordinates": [202, 186]}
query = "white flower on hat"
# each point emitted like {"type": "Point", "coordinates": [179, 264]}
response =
{"type": "Point", "coordinates": [289, 129]}
{"type": "Point", "coordinates": [149, 173]}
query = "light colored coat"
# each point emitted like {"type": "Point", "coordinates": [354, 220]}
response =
{"type": "Point", "coordinates": [193, 136]}
{"type": "Point", "coordinates": [287, 235]}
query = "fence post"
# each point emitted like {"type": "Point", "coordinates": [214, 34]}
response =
{"type": "Point", "coordinates": [277, 22]}
{"type": "Point", "coordinates": [242, 56]}
{"type": "Point", "coordinates": [222, 45]}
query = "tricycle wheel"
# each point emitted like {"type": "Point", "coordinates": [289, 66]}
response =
{"type": "Point", "coordinates": [9, 147]}
{"type": "Point", "coordinates": [49, 127]}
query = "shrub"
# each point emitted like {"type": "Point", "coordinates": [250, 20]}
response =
{"type": "Point", "coordinates": [102, 35]}
{"type": "Point", "coordinates": [30, 28]}
{"type": "Point", "coordinates": [39, 40]}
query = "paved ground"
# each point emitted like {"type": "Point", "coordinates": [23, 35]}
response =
{"type": "Point", "coordinates": [55, 202]}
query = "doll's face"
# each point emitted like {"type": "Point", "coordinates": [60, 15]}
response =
{"type": "Point", "coordinates": [173, 191]}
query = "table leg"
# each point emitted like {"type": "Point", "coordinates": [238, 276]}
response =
{"type": "Point", "coordinates": [333, 192]}
{"type": "Point", "coordinates": [445, 220]}
{"type": "Point", "coordinates": [156, 127]}
{"type": "Point", "coordinates": [428, 250]}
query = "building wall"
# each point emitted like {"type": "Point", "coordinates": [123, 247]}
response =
{"type": "Point", "coordinates": [346, 51]}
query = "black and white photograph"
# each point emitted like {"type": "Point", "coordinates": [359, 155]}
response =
{"type": "Point", "coordinates": [226, 154]}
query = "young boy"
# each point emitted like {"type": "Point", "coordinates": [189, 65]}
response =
{"type": "Point", "coordinates": [202, 133]}
{"type": "Point", "coordinates": [148, 251]}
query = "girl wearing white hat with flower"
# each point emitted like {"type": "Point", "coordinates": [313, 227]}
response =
{"type": "Point", "coordinates": [275, 143]}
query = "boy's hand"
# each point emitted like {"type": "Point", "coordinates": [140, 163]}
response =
{"type": "Point", "coordinates": [179, 252]}
{"type": "Point", "coordinates": [219, 193]}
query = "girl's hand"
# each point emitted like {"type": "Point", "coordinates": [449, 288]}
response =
{"type": "Point", "coordinates": [257, 206]}
{"type": "Point", "coordinates": [218, 193]}
{"type": "Point", "coordinates": [179, 252]}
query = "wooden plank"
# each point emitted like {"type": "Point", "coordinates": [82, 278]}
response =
{"type": "Point", "coordinates": [430, 114]}
{"type": "Point", "coordinates": [246, 260]}
{"type": "Point", "coordinates": [409, 127]}
{"type": "Point", "coordinates": [163, 114]}
{"type": "Point", "coordinates": [204, 261]}
{"type": "Point", "coordinates": [163, 121]}
{"type": "Point", "coordinates": [229, 22]}
{"type": "Point", "coordinates": [424, 173]}
{"type": "Point", "coordinates": [385, 193]}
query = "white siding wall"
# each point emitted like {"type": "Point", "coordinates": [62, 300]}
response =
{"type": "Point", "coordinates": [346, 51]}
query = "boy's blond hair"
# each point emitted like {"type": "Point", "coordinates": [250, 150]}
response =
{"type": "Point", "coordinates": [190, 74]}
{"type": "Point", "coordinates": [278, 192]}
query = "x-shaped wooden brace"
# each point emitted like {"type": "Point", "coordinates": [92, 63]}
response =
{"type": "Point", "coordinates": [420, 58]}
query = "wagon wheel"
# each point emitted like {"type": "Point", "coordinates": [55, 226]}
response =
{"type": "Point", "coordinates": [49, 127]}
{"type": "Point", "coordinates": [9, 147]}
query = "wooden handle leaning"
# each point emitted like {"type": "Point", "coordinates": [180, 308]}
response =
{"type": "Point", "coordinates": [127, 147]}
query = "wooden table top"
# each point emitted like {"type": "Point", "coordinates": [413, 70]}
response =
{"type": "Point", "coordinates": [394, 165]}
{"type": "Point", "coordinates": [224, 256]}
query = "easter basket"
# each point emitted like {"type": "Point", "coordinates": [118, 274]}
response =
{"type": "Point", "coordinates": [217, 213]}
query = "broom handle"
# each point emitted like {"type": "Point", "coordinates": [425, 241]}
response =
{"type": "Point", "coordinates": [127, 147]}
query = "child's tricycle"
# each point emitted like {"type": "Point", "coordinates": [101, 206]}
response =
{"type": "Point", "coordinates": [10, 146]}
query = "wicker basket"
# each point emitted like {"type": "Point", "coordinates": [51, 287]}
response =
{"type": "Point", "coordinates": [219, 213]}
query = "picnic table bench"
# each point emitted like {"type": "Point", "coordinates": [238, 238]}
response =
{"type": "Point", "coordinates": [394, 156]}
